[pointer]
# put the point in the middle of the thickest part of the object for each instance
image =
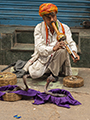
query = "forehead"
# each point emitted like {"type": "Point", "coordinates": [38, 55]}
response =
{"type": "Point", "coordinates": [50, 14]}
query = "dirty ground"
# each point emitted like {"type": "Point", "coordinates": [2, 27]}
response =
{"type": "Point", "coordinates": [49, 111]}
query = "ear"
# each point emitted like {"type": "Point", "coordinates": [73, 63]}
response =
{"type": "Point", "coordinates": [43, 18]}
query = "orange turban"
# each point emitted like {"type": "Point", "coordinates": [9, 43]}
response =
{"type": "Point", "coordinates": [47, 8]}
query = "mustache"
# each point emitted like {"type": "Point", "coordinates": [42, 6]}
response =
{"type": "Point", "coordinates": [52, 22]}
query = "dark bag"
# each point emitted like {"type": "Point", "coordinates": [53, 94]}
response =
{"type": "Point", "coordinates": [19, 65]}
{"type": "Point", "coordinates": [17, 68]}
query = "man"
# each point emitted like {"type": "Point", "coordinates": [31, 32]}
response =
{"type": "Point", "coordinates": [50, 55]}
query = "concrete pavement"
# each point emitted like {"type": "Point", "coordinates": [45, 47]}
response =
{"type": "Point", "coordinates": [49, 111]}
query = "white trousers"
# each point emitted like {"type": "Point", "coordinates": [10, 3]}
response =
{"type": "Point", "coordinates": [59, 61]}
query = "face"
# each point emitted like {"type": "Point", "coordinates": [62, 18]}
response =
{"type": "Point", "coordinates": [49, 18]}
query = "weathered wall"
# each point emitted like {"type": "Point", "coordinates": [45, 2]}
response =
{"type": "Point", "coordinates": [19, 45]}
{"type": "Point", "coordinates": [16, 45]}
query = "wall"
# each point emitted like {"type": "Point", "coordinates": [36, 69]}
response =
{"type": "Point", "coordinates": [18, 19]}
{"type": "Point", "coordinates": [25, 12]}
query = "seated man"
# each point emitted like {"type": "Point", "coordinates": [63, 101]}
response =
{"type": "Point", "coordinates": [50, 55]}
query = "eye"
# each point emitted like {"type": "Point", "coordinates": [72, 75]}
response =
{"type": "Point", "coordinates": [53, 15]}
{"type": "Point", "coordinates": [49, 18]}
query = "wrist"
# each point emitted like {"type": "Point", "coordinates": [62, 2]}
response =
{"type": "Point", "coordinates": [53, 48]}
{"type": "Point", "coordinates": [74, 52]}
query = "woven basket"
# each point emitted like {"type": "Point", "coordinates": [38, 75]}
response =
{"type": "Point", "coordinates": [73, 81]}
{"type": "Point", "coordinates": [11, 97]}
{"type": "Point", "coordinates": [7, 78]}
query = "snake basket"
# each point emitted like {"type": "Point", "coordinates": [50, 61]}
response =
{"type": "Point", "coordinates": [7, 78]}
{"type": "Point", "coordinates": [11, 97]}
{"type": "Point", "coordinates": [73, 81]}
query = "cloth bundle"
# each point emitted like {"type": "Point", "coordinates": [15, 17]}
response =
{"type": "Point", "coordinates": [41, 98]}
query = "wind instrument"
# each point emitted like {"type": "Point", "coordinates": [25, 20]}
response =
{"type": "Point", "coordinates": [62, 37]}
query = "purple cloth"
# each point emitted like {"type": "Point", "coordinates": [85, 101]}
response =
{"type": "Point", "coordinates": [41, 98]}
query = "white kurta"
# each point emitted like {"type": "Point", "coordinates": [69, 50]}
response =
{"type": "Point", "coordinates": [37, 64]}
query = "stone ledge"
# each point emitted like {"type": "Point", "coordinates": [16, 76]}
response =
{"type": "Point", "coordinates": [22, 47]}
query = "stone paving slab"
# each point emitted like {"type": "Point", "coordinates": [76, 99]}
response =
{"type": "Point", "coordinates": [38, 84]}
{"type": "Point", "coordinates": [49, 111]}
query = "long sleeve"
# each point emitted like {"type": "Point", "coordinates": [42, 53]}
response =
{"type": "Point", "coordinates": [69, 39]}
{"type": "Point", "coordinates": [40, 42]}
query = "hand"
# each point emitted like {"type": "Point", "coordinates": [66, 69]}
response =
{"type": "Point", "coordinates": [59, 45]}
{"type": "Point", "coordinates": [77, 59]}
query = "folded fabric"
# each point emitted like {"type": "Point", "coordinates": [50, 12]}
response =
{"type": "Point", "coordinates": [41, 98]}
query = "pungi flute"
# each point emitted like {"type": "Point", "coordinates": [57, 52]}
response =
{"type": "Point", "coordinates": [61, 36]}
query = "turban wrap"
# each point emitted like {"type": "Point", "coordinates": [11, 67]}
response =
{"type": "Point", "coordinates": [47, 8]}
